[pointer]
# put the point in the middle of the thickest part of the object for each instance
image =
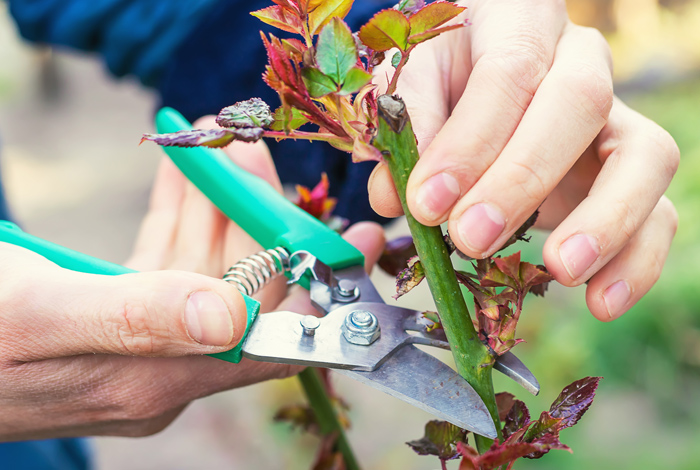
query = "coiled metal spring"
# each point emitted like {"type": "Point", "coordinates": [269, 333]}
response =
{"type": "Point", "coordinates": [256, 271]}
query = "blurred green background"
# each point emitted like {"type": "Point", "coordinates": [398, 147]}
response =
{"type": "Point", "coordinates": [83, 182]}
{"type": "Point", "coordinates": [647, 414]}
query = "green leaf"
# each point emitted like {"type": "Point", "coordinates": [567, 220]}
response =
{"type": "Point", "coordinates": [440, 439]}
{"type": "Point", "coordinates": [387, 29]}
{"type": "Point", "coordinates": [249, 113]}
{"type": "Point", "coordinates": [336, 52]}
{"type": "Point", "coordinates": [294, 121]}
{"type": "Point", "coordinates": [395, 59]}
{"type": "Point", "coordinates": [432, 16]}
{"type": "Point", "coordinates": [321, 12]}
{"type": "Point", "coordinates": [431, 33]}
{"type": "Point", "coordinates": [354, 81]}
{"type": "Point", "coordinates": [318, 83]}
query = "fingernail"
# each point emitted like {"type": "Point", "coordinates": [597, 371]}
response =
{"type": "Point", "coordinates": [616, 298]}
{"type": "Point", "coordinates": [578, 254]}
{"type": "Point", "coordinates": [480, 226]}
{"type": "Point", "coordinates": [436, 195]}
{"type": "Point", "coordinates": [208, 319]}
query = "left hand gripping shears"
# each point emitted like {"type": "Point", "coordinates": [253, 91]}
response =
{"type": "Point", "coordinates": [359, 335]}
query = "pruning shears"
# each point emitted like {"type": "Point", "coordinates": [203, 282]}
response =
{"type": "Point", "coordinates": [359, 335]}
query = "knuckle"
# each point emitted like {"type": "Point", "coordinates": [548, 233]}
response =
{"type": "Point", "coordinates": [668, 149]}
{"type": "Point", "coordinates": [626, 228]}
{"type": "Point", "coordinates": [519, 68]}
{"type": "Point", "coordinates": [592, 86]}
{"type": "Point", "coordinates": [669, 212]}
{"type": "Point", "coordinates": [526, 177]}
{"type": "Point", "coordinates": [143, 405]}
{"type": "Point", "coordinates": [134, 329]}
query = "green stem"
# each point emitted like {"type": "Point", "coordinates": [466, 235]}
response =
{"type": "Point", "coordinates": [396, 141]}
{"type": "Point", "coordinates": [325, 414]}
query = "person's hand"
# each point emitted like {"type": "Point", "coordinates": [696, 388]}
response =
{"type": "Point", "coordinates": [518, 109]}
{"type": "Point", "coordinates": [85, 354]}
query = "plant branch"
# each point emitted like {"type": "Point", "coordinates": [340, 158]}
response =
{"type": "Point", "coordinates": [395, 79]}
{"type": "Point", "coordinates": [338, 142]}
{"type": "Point", "coordinates": [396, 141]}
{"type": "Point", "coordinates": [325, 414]}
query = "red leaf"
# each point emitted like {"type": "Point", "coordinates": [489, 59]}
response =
{"type": "Point", "coordinates": [281, 65]}
{"type": "Point", "coordinates": [518, 417]}
{"type": "Point", "coordinates": [504, 402]}
{"type": "Point", "coordinates": [409, 277]}
{"type": "Point", "coordinates": [574, 401]}
{"type": "Point", "coordinates": [212, 138]}
{"type": "Point", "coordinates": [502, 454]}
{"type": "Point", "coordinates": [531, 275]}
{"type": "Point", "coordinates": [396, 253]}
{"type": "Point", "coordinates": [363, 152]}
{"type": "Point", "coordinates": [496, 278]}
{"type": "Point", "coordinates": [441, 439]}
{"type": "Point", "coordinates": [510, 265]}
{"type": "Point", "coordinates": [280, 17]}
{"type": "Point", "coordinates": [546, 424]}
{"type": "Point", "coordinates": [316, 201]}
{"type": "Point", "coordinates": [432, 16]}
{"type": "Point", "coordinates": [387, 29]}
{"type": "Point", "coordinates": [291, 5]}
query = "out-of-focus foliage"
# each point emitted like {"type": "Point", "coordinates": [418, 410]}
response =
{"type": "Point", "coordinates": [649, 402]}
{"type": "Point", "coordinates": [648, 37]}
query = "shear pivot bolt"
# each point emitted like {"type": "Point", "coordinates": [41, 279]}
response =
{"type": "Point", "coordinates": [346, 288]}
{"type": "Point", "coordinates": [361, 327]}
{"type": "Point", "coordinates": [310, 323]}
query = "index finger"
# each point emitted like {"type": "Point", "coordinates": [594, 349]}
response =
{"type": "Point", "coordinates": [512, 49]}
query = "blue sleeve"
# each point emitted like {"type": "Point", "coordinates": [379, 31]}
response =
{"type": "Point", "coordinates": [52, 454]}
{"type": "Point", "coordinates": [222, 62]}
{"type": "Point", "coordinates": [134, 36]}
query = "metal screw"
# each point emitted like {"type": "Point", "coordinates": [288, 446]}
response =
{"type": "Point", "coordinates": [361, 318]}
{"type": "Point", "coordinates": [361, 327]}
{"type": "Point", "coordinates": [346, 288]}
{"type": "Point", "coordinates": [310, 323]}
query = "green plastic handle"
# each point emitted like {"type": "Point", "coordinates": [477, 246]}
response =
{"type": "Point", "coordinates": [75, 261]}
{"type": "Point", "coordinates": [253, 204]}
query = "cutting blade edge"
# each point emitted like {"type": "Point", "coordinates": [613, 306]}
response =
{"type": "Point", "coordinates": [427, 383]}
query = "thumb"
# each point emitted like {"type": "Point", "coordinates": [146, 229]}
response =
{"type": "Point", "coordinates": [52, 312]}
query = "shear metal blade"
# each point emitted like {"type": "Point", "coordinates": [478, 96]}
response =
{"type": "Point", "coordinates": [508, 364]}
{"type": "Point", "coordinates": [426, 383]}
{"type": "Point", "coordinates": [514, 368]}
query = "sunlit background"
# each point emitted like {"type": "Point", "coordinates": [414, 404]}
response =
{"type": "Point", "coordinates": [75, 175]}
